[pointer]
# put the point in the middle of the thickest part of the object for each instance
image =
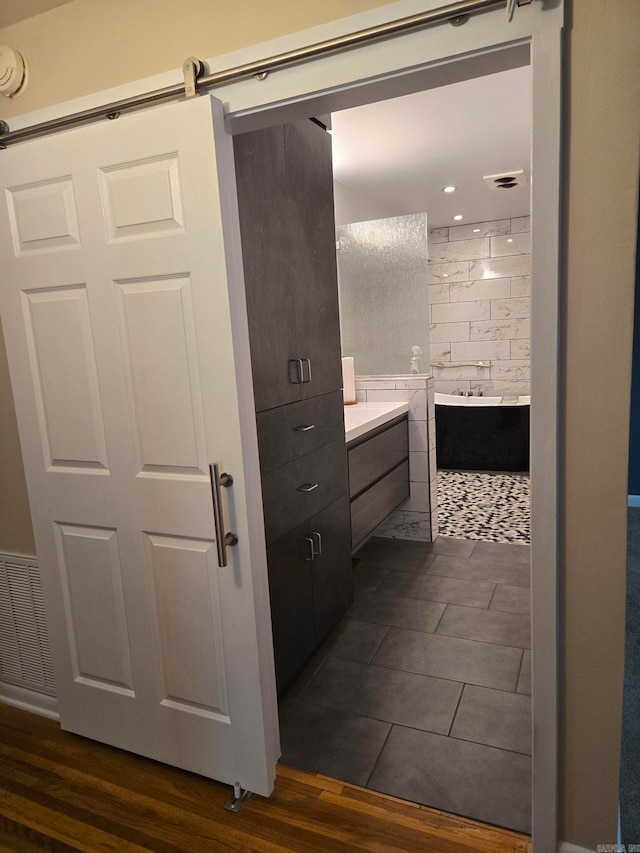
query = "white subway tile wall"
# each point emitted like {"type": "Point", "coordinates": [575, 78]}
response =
{"type": "Point", "coordinates": [521, 285]}
{"type": "Point", "coordinates": [438, 293]}
{"type": "Point", "coordinates": [468, 291]}
{"type": "Point", "coordinates": [500, 330]}
{"type": "Point", "coordinates": [482, 351]}
{"type": "Point", "coordinates": [417, 518]}
{"type": "Point", "coordinates": [462, 250]}
{"type": "Point", "coordinates": [453, 312]}
{"type": "Point", "coordinates": [500, 267]}
{"type": "Point", "coordinates": [477, 229]}
{"type": "Point", "coordinates": [479, 281]}
{"type": "Point", "coordinates": [439, 235]}
{"type": "Point", "coordinates": [447, 273]}
{"type": "Point", "coordinates": [446, 332]}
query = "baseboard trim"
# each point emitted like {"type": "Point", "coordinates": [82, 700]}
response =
{"type": "Point", "coordinates": [565, 847]}
{"type": "Point", "coordinates": [29, 700]}
{"type": "Point", "coordinates": [633, 500]}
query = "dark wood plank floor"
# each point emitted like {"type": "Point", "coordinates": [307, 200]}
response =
{"type": "Point", "coordinates": [60, 792]}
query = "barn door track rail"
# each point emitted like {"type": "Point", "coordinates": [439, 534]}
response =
{"type": "Point", "coordinates": [196, 81]}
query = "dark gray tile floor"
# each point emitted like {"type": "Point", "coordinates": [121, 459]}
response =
{"type": "Point", "coordinates": [423, 690]}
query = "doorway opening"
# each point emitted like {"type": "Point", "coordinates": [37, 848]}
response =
{"type": "Point", "coordinates": [488, 50]}
{"type": "Point", "coordinates": [443, 154]}
{"type": "Point", "coordinates": [423, 691]}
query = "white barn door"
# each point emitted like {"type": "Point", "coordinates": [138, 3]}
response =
{"type": "Point", "coordinates": [120, 259]}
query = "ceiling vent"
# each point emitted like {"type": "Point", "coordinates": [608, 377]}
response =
{"type": "Point", "coordinates": [506, 180]}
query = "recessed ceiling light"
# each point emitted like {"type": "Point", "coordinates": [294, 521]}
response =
{"type": "Point", "coordinates": [509, 239]}
{"type": "Point", "coordinates": [449, 189]}
{"type": "Point", "coordinates": [476, 230]}
{"type": "Point", "coordinates": [457, 217]}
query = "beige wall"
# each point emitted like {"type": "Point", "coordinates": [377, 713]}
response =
{"type": "Point", "coordinates": [90, 45]}
{"type": "Point", "coordinates": [16, 533]}
{"type": "Point", "coordinates": [602, 136]}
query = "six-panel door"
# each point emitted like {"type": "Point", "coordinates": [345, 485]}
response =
{"type": "Point", "coordinates": [120, 257]}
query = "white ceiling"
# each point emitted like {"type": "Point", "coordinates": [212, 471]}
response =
{"type": "Point", "coordinates": [400, 153]}
{"type": "Point", "coordinates": [13, 11]}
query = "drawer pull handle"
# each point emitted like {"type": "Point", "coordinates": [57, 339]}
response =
{"type": "Point", "coordinates": [299, 377]}
{"type": "Point", "coordinates": [223, 540]}
{"type": "Point", "coordinates": [304, 427]}
{"type": "Point", "coordinates": [317, 544]}
{"type": "Point", "coordinates": [311, 553]}
{"type": "Point", "coordinates": [308, 363]}
{"type": "Point", "coordinates": [307, 487]}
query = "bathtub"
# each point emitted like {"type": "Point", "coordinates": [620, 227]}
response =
{"type": "Point", "coordinates": [482, 433]}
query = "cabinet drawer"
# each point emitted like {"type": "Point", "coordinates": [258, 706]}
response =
{"type": "Point", "coordinates": [288, 432]}
{"type": "Point", "coordinates": [374, 457]}
{"type": "Point", "coordinates": [294, 492]}
{"type": "Point", "coordinates": [374, 505]}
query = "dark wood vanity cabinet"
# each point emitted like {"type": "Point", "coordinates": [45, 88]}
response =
{"type": "Point", "coordinates": [310, 586]}
{"type": "Point", "coordinates": [302, 487]}
{"type": "Point", "coordinates": [285, 194]}
{"type": "Point", "coordinates": [288, 432]}
{"type": "Point", "coordinates": [378, 477]}
{"type": "Point", "coordinates": [332, 576]}
{"type": "Point", "coordinates": [292, 609]}
{"type": "Point", "coordinates": [285, 198]}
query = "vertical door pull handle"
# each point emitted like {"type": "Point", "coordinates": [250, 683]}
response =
{"type": "Point", "coordinates": [307, 361]}
{"type": "Point", "coordinates": [298, 376]}
{"type": "Point", "coordinates": [311, 553]}
{"type": "Point", "coordinates": [317, 544]}
{"type": "Point", "coordinates": [304, 427]}
{"type": "Point", "coordinates": [223, 539]}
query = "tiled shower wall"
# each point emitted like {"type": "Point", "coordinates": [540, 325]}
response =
{"type": "Point", "coordinates": [479, 279]}
{"type": "Point", "coordinates": [417, 518]}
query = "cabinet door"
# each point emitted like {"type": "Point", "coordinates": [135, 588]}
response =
{"type": "Point", "coordinates": [332, 574]}
{"type": "Point", "coordinates": [312, 254]}
{"type": "Point", "coordinates": [291, 591]}
{"type": "Point", "coordinates": [266, 251]}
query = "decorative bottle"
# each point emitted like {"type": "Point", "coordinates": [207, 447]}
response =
{"type": "Point", "coordinates": [416, 360]}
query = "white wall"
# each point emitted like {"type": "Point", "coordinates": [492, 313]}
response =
{"type": "Point", "coordinates": [355, 206]}
{"type": "Point", "coordinates": [479, 306]}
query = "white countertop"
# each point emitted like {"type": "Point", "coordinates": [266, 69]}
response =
{"type": "Point", "coordinates": [362, 417]}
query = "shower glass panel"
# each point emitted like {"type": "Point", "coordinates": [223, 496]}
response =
{"type": "Point", "coordinates": [382, 277]}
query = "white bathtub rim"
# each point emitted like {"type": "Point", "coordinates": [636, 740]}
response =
{"type": "Point", "coordinates": [459, 400]}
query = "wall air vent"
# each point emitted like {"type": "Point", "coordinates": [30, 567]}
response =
{"type": "Point", "coordinates": [506, 180]}
{"type": "Point", "coordinates": [25, 658]}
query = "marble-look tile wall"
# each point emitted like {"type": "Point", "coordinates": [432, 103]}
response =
{"type": "Point", "coordinates": [479, 281]}
{"type": "Point", "coordinates": [417, 518]}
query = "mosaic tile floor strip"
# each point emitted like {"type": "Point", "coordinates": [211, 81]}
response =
{"type": "Point", "coordinates": [484, 506]}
